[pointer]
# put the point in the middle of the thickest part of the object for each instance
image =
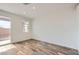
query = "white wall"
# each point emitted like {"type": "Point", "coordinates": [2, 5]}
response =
{"type": "Point", "coordinates": [77, 12]}
{"type": "Point", "coordinates": [17, 33]}
{"type": "Point", "coordinates": [56, 24]}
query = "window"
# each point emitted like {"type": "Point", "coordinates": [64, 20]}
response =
{"type": "Point", "coordinates": [26, 24]}
{"type": "Point", "coordinates": [4, 24]}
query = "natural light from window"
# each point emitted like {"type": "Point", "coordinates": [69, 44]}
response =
{"type": "Point", "coordinates": [5, 24]}
{"type": "Point", "coordinates": [26, 24]}
{"type": "Point", "coordinates": [5, 36]}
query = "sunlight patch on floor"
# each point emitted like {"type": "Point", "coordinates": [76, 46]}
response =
{"type": "Point", "coordinates": [6, 48]}
{"type": "Point", "coordinates": [5, 42]}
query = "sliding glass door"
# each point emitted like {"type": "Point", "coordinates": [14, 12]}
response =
{"type": "Point", "coordinates": [5, 31]}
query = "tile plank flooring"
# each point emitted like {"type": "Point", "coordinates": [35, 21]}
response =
{"type": "Point", "coordinates": [35, 47]}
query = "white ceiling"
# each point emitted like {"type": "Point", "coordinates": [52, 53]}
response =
{"type": "Point", "coordinates": [34, 10]}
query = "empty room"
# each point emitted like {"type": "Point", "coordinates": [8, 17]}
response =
{"type": "Point", "coordinates": [39, 29]}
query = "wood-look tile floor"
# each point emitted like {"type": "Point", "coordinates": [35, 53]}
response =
{"type": "Point", "coordinates": [35, 47]}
